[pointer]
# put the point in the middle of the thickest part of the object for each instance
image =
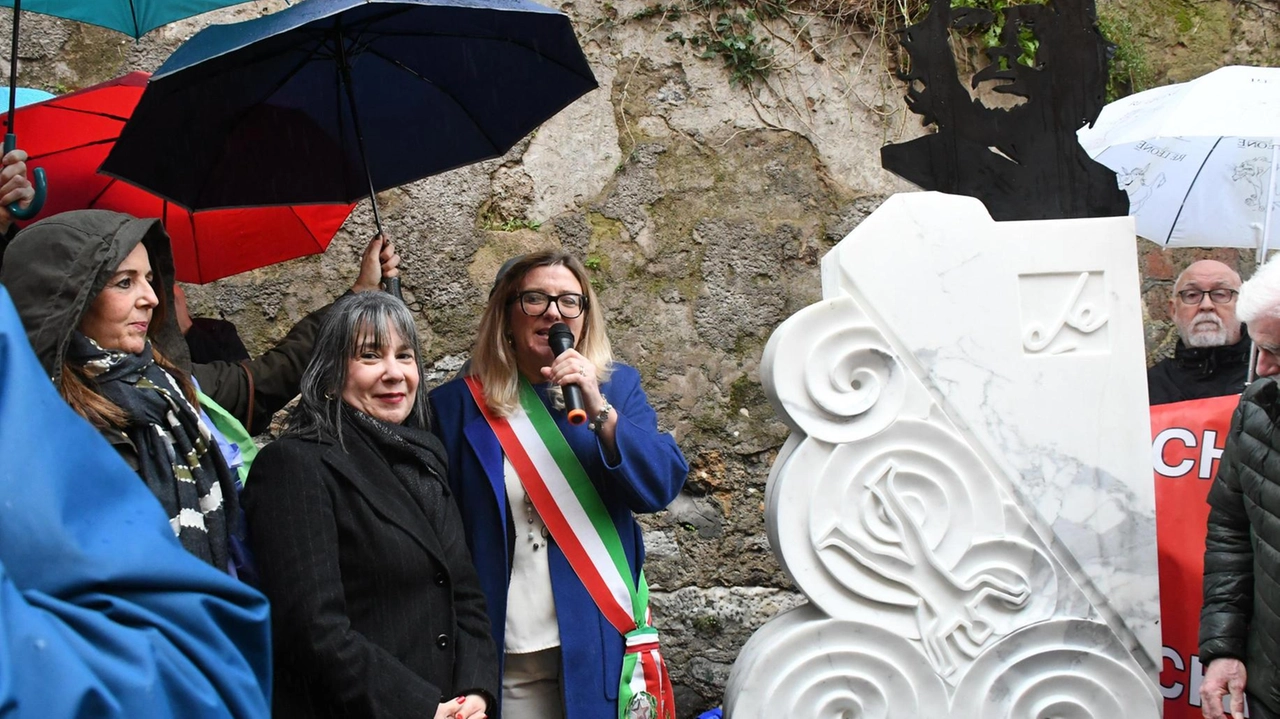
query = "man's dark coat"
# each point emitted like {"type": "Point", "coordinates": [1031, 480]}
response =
{"type": "Point", "coordinates": [1241, 613]}
{"type": "Point", "coordinates": [1200, 372]}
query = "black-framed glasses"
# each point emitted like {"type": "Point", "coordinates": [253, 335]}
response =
{"type": "Point", "coordinates": [535, 303]}
{"type": "Point", "coordinates": [1218, 296]}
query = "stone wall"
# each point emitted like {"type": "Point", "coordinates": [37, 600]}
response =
{"type": "Point", "coordinates": [702, 208]}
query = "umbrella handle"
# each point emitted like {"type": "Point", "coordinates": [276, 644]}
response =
{"type": "Point", "coordinates": [38, 182]}
{"type": "Point", "coordinates": [392, 287]}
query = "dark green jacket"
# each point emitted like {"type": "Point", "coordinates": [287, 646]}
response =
{"type": "Point", "coordinates": [54, 269]}
{"type": "Point", "coordinates": [1241, 613]}
{"type": "Point", "coordinates": [256, 389]}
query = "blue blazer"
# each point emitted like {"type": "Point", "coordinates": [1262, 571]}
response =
{"type": "Point", "coordinates": [647, 477]}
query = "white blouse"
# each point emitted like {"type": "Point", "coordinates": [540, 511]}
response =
{"type": "Point", "coordinates": [531, 607]}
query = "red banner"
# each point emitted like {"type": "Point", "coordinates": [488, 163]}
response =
{"type": "Point", "coordinates": [1187, 441]}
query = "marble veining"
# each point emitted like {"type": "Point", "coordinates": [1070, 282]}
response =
{"type": "Point", "coordinates": [956, 499]}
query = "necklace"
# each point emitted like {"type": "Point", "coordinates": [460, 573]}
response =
{"type": "Point", "coordinates": [538, 533]}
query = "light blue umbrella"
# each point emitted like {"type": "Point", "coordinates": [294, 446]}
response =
{"type": "Point", "coordinates": [30, 96]}
{"type": "Point", "coordinates": [131, 17]}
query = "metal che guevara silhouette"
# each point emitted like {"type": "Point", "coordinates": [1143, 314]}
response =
{"type": "Point", "coordinates": [1023, 162]}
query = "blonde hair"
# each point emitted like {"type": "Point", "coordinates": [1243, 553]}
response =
{"type": "Point", "coordinates": [493, 359]}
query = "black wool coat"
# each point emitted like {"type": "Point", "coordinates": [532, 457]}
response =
{"type": "Point", "coordinates": [1241, 614]}
{"type": "Point", "coordinates": [375, 613]}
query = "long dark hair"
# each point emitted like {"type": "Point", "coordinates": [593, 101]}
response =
{"type": "Point", "coordinates": [354, 323]}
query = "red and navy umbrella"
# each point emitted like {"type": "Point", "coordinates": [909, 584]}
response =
{"type": "Point", "coordinates": [69, 136]}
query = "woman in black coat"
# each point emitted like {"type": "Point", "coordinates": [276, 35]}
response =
{"type": "Point", "coordinates": [377, 611]}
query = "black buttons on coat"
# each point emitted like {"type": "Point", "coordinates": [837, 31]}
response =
{"type": "Point", "coordinates": [442, 641]}
{"type": "Point", "coordinates": [441, 579]}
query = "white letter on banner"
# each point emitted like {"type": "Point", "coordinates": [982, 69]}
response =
{"type": "Point", "coordinates": [1157, 452]}
{"type": "Point", "coordinates": [1174, 690]}
{"type": "Point", "coordinates": [1209, 451]}
{"type": "Point", "coordinates": [1197, 676]}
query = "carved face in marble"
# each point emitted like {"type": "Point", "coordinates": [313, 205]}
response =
{"type": "Point", "coordinates": [1206, 323]}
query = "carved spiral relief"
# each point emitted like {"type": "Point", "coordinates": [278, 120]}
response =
{"type": "Point", "coordinates": [804, 664]}
{"type": "Point", "coordinates": [835, 377]}
{"type": "Point", "coordinates": [1063, 669]}
{"type": "Point", "coordinates": [907, 526]}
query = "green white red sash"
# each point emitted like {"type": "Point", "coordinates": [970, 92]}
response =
{"type": "Point", "coordinates": [576, 517]}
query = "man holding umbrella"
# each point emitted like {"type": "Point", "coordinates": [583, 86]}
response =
{"type": "Point", "coordinates": [1240, 619]}
{"type": "Point", "coordinates": [14, 188]}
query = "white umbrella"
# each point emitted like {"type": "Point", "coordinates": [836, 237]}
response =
{"type": "Point", "coordinates": [1197, 191]}
{"type": "Point", "coordinates": [1198, 159]}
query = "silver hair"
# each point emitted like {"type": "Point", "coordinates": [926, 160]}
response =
{"type": "Point", "coordinates": [1260, 295]}
{"type": "Point", "coordinates": [354, 323]}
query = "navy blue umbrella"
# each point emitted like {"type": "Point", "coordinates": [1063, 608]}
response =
{"type": "Point", "coordinates": [332, 100]}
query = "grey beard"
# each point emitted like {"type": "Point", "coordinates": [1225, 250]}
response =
{"type": "Point", "coordinates": [1198, 335]}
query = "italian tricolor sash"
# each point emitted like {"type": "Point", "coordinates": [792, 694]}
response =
{"type": "Point", "coordinates": [576, 517]}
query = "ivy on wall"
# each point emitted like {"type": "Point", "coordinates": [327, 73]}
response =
{"type": "Point", "coordinates": [736, 32]}
{"type": "Point", "coordinates": [1130, 70]}
{"type": "Point", "coordinates": [729, 33]}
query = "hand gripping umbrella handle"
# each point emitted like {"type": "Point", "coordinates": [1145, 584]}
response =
{"type": "Point", "coordinates": [38, 181]}
{"type": "Point", "coordinates": [392, 286]}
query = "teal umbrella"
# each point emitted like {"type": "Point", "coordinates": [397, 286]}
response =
{"type": "Point", "coordinates": [134, 18]}
{"type": "Point", "coordinates": [131, 17]}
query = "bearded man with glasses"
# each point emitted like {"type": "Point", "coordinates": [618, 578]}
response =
{"type": "Point", "coordinates": [1211, 358]}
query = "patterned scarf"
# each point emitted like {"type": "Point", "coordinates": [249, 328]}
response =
{"type": "Point", "coordinates": [177, 457]}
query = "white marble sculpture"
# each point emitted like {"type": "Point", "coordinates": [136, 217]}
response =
{"type": "Point", "coordinates": [966, 497]}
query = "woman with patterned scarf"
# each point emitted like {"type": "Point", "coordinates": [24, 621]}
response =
{"type": "Point", "coordinates": [92, 288]}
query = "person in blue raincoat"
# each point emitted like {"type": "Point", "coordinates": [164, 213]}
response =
{"type": "Point", "coordinates": [102, 612]}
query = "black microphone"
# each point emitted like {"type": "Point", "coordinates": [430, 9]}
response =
{"type": "Point", "coordinates": [560, 338]}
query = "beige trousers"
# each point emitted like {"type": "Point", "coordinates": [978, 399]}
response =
{"type": "Point", "coordinates": [531, 686]}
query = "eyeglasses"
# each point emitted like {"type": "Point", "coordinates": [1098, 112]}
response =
{"type": "Point", "coordinates": [535, 303]}
{"type": "Point", "coordinates": [1219, 297]}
